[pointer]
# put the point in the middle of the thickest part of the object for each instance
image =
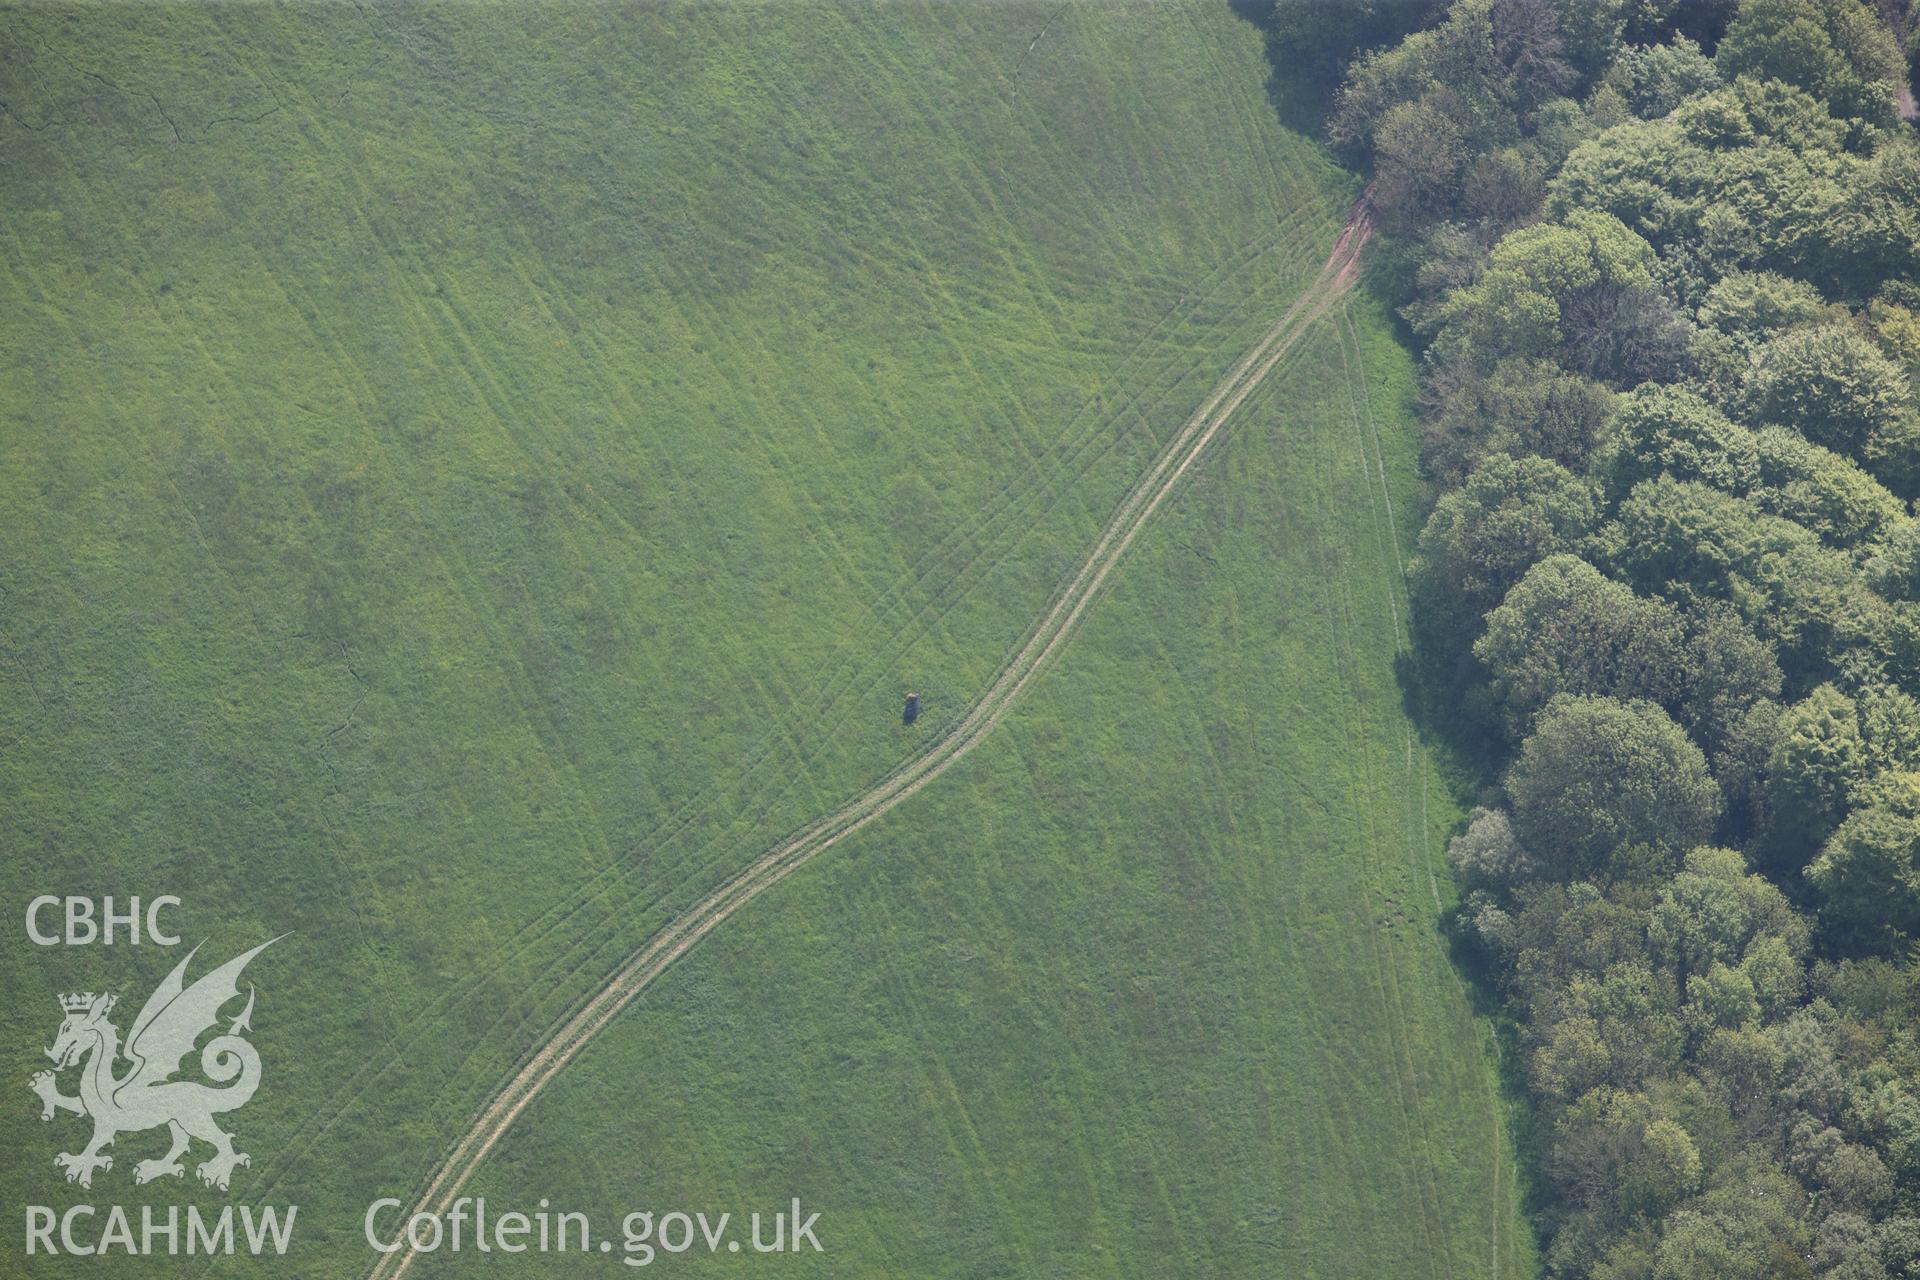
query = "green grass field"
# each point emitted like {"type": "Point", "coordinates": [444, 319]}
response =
{"type": "Point", "coordinates": [1149, 986]}
{"type": "Point", "coordinates": [474, 477]}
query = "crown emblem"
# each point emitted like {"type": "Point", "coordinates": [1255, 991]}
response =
{"type": "Point", "coordinates": [77, 1002]}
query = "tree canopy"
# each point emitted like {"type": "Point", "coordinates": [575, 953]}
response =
{"type": "Point", "coordinates": [1664, 261]}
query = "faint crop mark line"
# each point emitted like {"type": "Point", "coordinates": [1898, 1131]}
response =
{"type": "Point", "coordinates": [1014, 75]}
{"type": "Point", "coordinates": [1373, 466]}
{"type": "Point", "coordinates": [1493, 1109]}
{"type": "Point", "coordinates": [1385, 968]}
{"type": "Point", "coordinates": [6, 108]}
{"type": "Point", "coordinates": [1496, 1204]}
{"type": "Point", "coordinates": [1377, 468]}
{"type": "Point", "coordinates": [680, 935]}
{"type": "Point", "coordinates": [1385, 962]}
{"type": "Point", "coordinates": [117, 88]}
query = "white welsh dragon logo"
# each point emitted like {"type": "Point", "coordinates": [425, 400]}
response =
{"type": "Point", "coordinates": [146, 1095]}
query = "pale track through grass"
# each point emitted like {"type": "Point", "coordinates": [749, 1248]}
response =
{"type": "Point", "coordinates": [967, 551]}
{"type": "Point", "coordinates": [1077, 455]}
{"type": "Point", "coordinates": [505, 1105]}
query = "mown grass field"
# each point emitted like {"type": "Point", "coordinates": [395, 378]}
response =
{"type": "Point", "coordinates": [472, 477]}
{"type": "Point", "coordinates": [1148, 986]}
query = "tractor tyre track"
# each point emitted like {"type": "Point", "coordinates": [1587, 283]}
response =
{"type": "Point", "coordinates": [573, 1033]}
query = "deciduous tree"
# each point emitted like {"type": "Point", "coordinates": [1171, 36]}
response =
{"type": "Point", "coordinates": [1598, 774]}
